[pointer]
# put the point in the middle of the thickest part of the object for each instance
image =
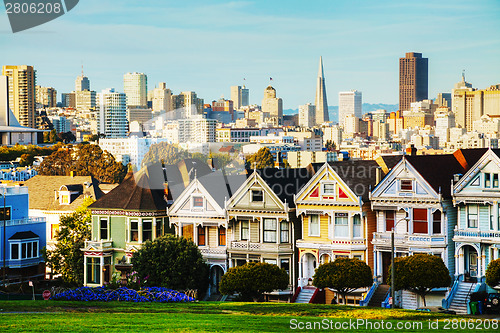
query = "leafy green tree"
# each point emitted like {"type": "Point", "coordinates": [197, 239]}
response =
{"type": "Point", "coordinates": [253, 279]}
{"type": "Point", "coordinates": [172, 262]}
{"type": "Point", "coordinates": [261, 159]}
{"type": "Point", "coordinates": [59, 163]}
{"type": "Point", "coordinates": [343, 275]}
{"type": "Point", "coordinates": [46, 137]}
{"type": "Point", "coordinates": [53, 136]}
{"type": "Point", "coordinates": [26, 159]}
{"type": "Point", "coordinates": [493, 273]}
{"type": "Point", "coordinates": [166, 153]}
{"type": "Point", "coordinates": [91, 160]}
{"type": "Point", "coordinates": [420, 273]}
{"type": "Point", "coordinates": [67, 259]}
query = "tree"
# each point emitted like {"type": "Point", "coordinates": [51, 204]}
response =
{"type": "Point", "coordinates": [66, 137]}
{"type": "Point", "coordinates": [166, 153]}
{"type": "Point", "coordinates": [59, 163]}
{"type": "Point", "coordinates": [53, 136]}
{"type": "Point", "coordinates": [330, 145]}
{"type": "Point", "coordinates": [420, 273]}
{"type": "Point", "coordinates": [67, 259]}
{"type": "Point", "coordinates": [26, 159]}
{"type": "Point", "coordinates": [172, 262]}
{"type": "Point", "coordinates": [260, 160]}
{"type": "Point", "coordinates": [253, 279]}
{"type": "Point", "coordinates": [343, 275]}
{"type": "Point", "coordinates": [493, 274]}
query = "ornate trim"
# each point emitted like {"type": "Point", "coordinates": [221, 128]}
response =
{"type": "Point", "coordinates": [127, 213]}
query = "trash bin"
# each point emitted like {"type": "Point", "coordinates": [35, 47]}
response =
{"type": "Point", "coordinates": [473, 308]}
{"type": "Point", "coordinates": [480, 308]}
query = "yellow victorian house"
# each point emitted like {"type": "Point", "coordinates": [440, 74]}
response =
{"type": "Point", "coordinates": [337, 220]}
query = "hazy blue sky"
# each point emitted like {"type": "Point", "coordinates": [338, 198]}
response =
{"type": "Point", "coordinates": [207, 46]}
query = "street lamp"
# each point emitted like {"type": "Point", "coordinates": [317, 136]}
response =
{"type": "Point", "coordinates": [392, 259]}
{"type": "Point", "coordinates": [4, 238]}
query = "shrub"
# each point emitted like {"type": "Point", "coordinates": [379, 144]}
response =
{"type": "Point", "coordinates": [493, 273]}
{"type": "Point", "coordinates": [101, 294]}
{"type": "Point", "coordinates": [253, 279]}
{"type": "Point", "coordinates": [343, 275]}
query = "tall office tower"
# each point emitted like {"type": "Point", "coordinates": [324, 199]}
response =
{"type": "Point", "coordinates": [112, 113]}
{"type": "Point", "coordinates": [465, 104]}
{"type": "Point", "coordinates": [46, 97]}
{"type": "Point", "coordinates": [307, 115]}
{"type": "Point", "coordinates": [68, 100]}
{"type": "Point", "coordinates": [82, 83]}
{"type": "Point", "coordinates": [320, 102]}
{"type": "Point", "coordinates": [350, 102]}
{"type": "Point", "coordinates": [443, 99]}
{"type": "Point", "coordinates": [85, 100]}
{"type": "Point", "coordinates": [135, 86]}
{"type": "Point", "coordinates": [190, 102]}
{"type": "Point", "coordinates": [197, 130]}
{"type": "Point", "coordinates": [22, 93]}
{"type": "Point", "coordinates": [445, 120]}
{"type": "Point", "coordinates": [161, 98]}
{"type": "Point", "coordinates": [239, 96]}
{"type": "Point", "coordinates": [413, 79]}
{"type": "Point", "coordinates": [273, 105]}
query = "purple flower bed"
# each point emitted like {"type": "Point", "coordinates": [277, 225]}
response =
{"type": "Point", "coordinates": [147, 294]}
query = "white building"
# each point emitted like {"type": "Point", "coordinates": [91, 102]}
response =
{"type": "Point", "coordinates": [332, 133]}
{"type": "Point", "coordinates": [239, 96]}
{"type": "Point", "coordinates": [112, 113]}
{"type": "Point", "coordinates": [161, 98]}
{"type": "Point", "coordinates": [129, 150]}
{"type": "Point", "coordinates": [197, 129]}
{"type": "Point", "coordinates": [307, 115]}
{"type": "Point", "coordinates": [272, 138]}
{"type": "Point", "coordinates": [351, 124]}
{"type": "Point", "coordinates": [135, 87]}
{"type": "Point", "coordinates": [350, 102]}
{"type": "Point", "coordinates": [487, 125]}
{"type": "Point", "coordinates": [445, 120]}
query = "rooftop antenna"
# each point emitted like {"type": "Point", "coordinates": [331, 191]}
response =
{"type": "Point", "coordinates": [463, 75]}
{"type": "Point", "coordinates": [82, 67]}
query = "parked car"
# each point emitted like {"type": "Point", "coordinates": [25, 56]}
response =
{"type": "Point", "coordinates": [492, 303]}
{"type": "Point", "coordinates": [438, 309]}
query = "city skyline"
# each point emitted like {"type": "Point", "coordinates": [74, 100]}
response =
{"type": "Point", "coordinates": [362, 45]}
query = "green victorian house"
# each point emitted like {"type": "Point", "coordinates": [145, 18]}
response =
{"type": "Point", "coordinates": [122, 220]}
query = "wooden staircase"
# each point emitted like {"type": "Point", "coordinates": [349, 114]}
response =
{"type": "Point", "coordinates": [379, 296]}
{"type": "Point", "coordinates": [305, 295]}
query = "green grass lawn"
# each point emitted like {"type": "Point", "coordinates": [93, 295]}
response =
{"type": "Point", "coordinates": [59, 316]}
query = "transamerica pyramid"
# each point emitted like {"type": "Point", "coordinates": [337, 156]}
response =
{"type": "Point", "coordinates": [320, 101]}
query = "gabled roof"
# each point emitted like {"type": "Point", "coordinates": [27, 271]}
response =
{"type": "Point", "coordinates": [438, 170]}
{"type": "Point", "coordinates": [41, 191]}
{"type": "Point", "coordinates": [23, 235]}
{"type": "Point", "coordinates": [136, 192]}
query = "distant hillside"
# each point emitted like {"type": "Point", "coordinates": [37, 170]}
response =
{"type": "Point", "coordinates": [333, 110]}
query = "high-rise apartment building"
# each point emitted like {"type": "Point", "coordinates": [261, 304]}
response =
{"type": "Point", "coordinates": [161, 98]}
{"type": "Point", "coordinates": [112, 113]}
{"type": "Point", "coordinates": [320, 101]}
{"type": "Point", "coordinates": [413, 79]}
{"type": "Point", "coordinates": [46, 97]}
{"type": "Point", "coordinates": [189, 101]}
{"type": "Point", "coordinates": [197, 130]}
{"type": "Point", "coordinates": [239, 96]}
{"type": "Point", "coordinates": [350, 102]}
{"type": "Point", "coordinates": [22, 93]}
{"type": "Point", "coordinates": [82, 83]}
{"type": "Point", "coordinates": [273, 105]}
{"type": "Point", "coordinates": [307, 115]}
{"type": "Point", "coordinates": [85, 100]}
{"type": "Point", "coordinates": [135, 86]}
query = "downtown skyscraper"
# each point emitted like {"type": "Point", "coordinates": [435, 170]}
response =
{"type": "Point", "coordinates": [413, 79]}
{"type": "Point", "coordinates": [135, 86]}
{"type": "Point", "coordinates": [22, 81]}
{"type": "Point", "coordinates": [320, 100]}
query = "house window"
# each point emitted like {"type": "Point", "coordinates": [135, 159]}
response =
{"type": "Point", "coordinates": [420, 221]}
{"type": "Point", "coordinates": [495, 180]}
{"type": "Point", "coordinates": [257, 195]}
{"type": "Point", "coordinates": [406, 185]}
{"type": "Point", "coordinates": [270, 230]}
{"type": "Point", "coordinates": [93, 270]}
{"type": "Point", "coordinates": [14, 251]}
{"type": "Point", "coordinates": [159, 222]}
{"type": "Point", "coordinates": [341, 225]}
{"type": "Point", "coordinates": [313, 225]}
{"type": "Point", "coordinates": [7, 213]}
{"type": "Point", "coordinates": [285, 264]}
{"type": "Point", "coordinates": [103, 228]}
{"type": "Point", "coordinates": [487, 180]}
{"type": "Point", "coordinates": [24, 248]}
{"type": "Point", "coordinates": [356, 226]}
{"type": "Point", "coordinates": [147, 230]}
{"type": "Point", "coordinates": [35, 250]}
{"type": "Point", "coordinates": [245, 230]}
{"type": "Point", "coordinates": [436, 222]}
{"type": "Point", "coordinates": [328, 189]}
{"type": "Point", "coordinates": [472, 211]}
{"type": "Point", "coordinates": [134, 231]}
{"type": "Point", "coordinates": [359, 257]}
{"type": "Point", "coordinates": [222, 236]}
{"type": "Point", "coordinates": [187, 231]}
{"type": "Point", "coordinates": [389, 220]}
{"type": "Point", "coordinates": [284, 232]}
{"type": "Point", "coordinates": [198, 202]}
{"type": "Point", "coordinates": [201, 236]}
{"type": "Point", "coordinates": [54, 229]}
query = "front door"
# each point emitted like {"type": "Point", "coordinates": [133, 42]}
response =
{"type": "Point", "coordinates": [386, 262]}
{"type": "Point", "coordinates": [473, 264]}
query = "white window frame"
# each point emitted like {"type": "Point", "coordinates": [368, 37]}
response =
{"type": "Point", "coordinates": [401, 185]}
{"type": "Point", "coordinates": [107, 227]}
{"type": "Point", "coordinates": [468, 218]}
{"type": "Point", "coordinates": [323, 190]}
{"type": "Point", "coordinates": [202, 202]}
{"type": "Point", "coordinates": [309, 220]}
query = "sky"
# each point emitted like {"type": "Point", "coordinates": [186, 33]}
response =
{"type": "Point", "coordinates": [208, 46]}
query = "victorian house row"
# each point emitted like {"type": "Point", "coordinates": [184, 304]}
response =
{"type": "Point", "coordinates": [444, 205]}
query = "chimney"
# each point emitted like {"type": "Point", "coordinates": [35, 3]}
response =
{"type": "Point", "coordinates": [411, 150]}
